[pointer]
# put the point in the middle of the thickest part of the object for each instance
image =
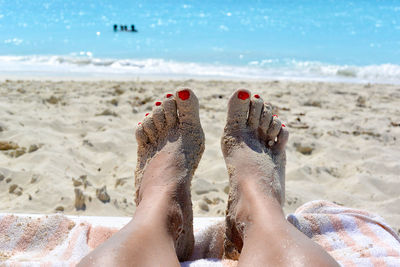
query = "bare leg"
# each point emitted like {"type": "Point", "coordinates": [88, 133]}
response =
{"type": "Point", "coordinates": [256, 229]}
{"type": "Point", "coordinates": [144, 241]}
{"type": "Point", "coordinates": [170, 145]}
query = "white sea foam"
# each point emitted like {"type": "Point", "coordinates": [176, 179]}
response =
{"type": "Point", "coordinates": [263, 69]}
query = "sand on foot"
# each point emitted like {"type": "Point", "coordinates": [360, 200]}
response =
{"type": "Point", "coordinates": [170, 146]}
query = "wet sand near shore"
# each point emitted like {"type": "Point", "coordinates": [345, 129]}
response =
{"type": "Point", "coordinates": [69, 146]}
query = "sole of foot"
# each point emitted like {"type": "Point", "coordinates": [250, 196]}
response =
{"type": "Point", "coordinates": [170, 144]}
{"type": "Point", "coordinates": [253, 145]}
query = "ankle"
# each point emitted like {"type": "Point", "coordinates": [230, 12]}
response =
{"type": "Point", "coordinates": [159, 206]}
{"type": "Point", "coordinates": [257, 191]}
{"type": "Point", "coordinates": [153, 200]}
{"type": "Point", "coordinates": [156, 192]}
{"type": "Point", "coordinates": [255, 204]}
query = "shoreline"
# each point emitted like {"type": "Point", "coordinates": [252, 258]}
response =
{"type": "Point", "coordinates": [177, 78]}
{"type": "Point", "coordinates": [89, 67]}
{"type": "Point", "coordinates": [79, 135]}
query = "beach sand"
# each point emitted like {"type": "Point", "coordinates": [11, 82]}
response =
{"type": "Point", "coordinates": [69, 146]}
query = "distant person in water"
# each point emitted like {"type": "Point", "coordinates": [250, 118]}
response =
{"type": "Point", "coordinates": [124, 28]}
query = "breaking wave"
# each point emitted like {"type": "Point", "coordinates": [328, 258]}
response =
{"type": "Point", "coordinates": [263, 69]}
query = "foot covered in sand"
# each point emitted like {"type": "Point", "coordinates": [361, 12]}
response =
{"type": "Point", "coordinates": [170, 145]}
{"type": "Point", "coordinates": [253, 145]}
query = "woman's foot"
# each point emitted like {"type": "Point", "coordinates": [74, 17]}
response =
{"type": "Point", "coordinates": [170, 145]}
{"type": "Point", "coordinates": [253, 145]}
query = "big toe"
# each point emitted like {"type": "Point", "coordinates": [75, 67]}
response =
{"type": "Point", "coordinates": [238, 107]}
{"type": "Point", "coordinates": [188, 107]}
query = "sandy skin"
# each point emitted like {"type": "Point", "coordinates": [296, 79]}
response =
{"type": "Point", "coordinates": [170, 145]}
{"type": "Point", "coordinates": [253, 143]}
{"type": "Point", "coordinates": [257, 233]}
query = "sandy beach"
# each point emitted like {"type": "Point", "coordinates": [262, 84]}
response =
{"type": "Point", "coordinates": [69, 146]}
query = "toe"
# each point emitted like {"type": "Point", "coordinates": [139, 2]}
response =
{"type": "Point", "coordinates": [188, 107]}
{"type": "Point", "coordinates": [256, 106]}
{"type": "Point", "coordinates": [266, 118]}
{"type": "Point", "coordinates": [150, 129]}
{"type": "Point", "coordinates": [283, 137]}
{"type": "Point", "coordinates": [170, 112]}
{"type": "Point", "coordinates": [238, 107]}
{"type": "Point", "coordinates": [273, 130]}
{"type": "Point", "coordinates": [141, 136]}
{"type": "Point", "coordinates": [159, 118]}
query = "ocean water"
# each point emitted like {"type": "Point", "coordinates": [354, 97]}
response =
{"type": "Point", "coordinates": [271, 39]}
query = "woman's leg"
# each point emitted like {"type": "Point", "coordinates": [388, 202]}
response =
{"type": "Point", "coordinates": [170, 145]}
{"type": "Point", "coordinates": [144, 241]}
{"type": "Point", "coordinates": [254, 149]}
{"type": "Point", "coordinates": [269, 239]}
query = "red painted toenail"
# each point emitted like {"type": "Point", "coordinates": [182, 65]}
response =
{"type": "Point", "coordinates": [147, 114]}
{"type": "Point", "coordinates": [283, 125]}
{"type": "Point", "coordinates": [169, 95]}
{"type": "Point", "coordinates": [139, 123]}
{"type": "Point", "coordinates": [256, 96]}
{"type": "Point", "coordinates": [184, 94]}
{"type": "Point", "coordinates": [275, 116]}
{"type": "Point", "coordinates": [158, 103]}
{"type": "Point", "coordinates": [243, 95]}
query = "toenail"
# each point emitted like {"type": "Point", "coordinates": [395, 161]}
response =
{"type": "Point", "coordinates": [158, 103]}
{"type": "Point", "coordinates": [243, 95]}
{"type": "Point", "coordinates": [275, 116]}
{"type": "Point", "coordinates": [256, 96]}
{"type": "Point", "coordinates": [169, 95]}
{"type": "Point", "coordinates": [184, 94]}
{"type": "Point", "coordinates": [147, 114]}
{"type": "Point", "coordinates": [139, 123]}
{"type": "Point", "coordinates": [283, 125]}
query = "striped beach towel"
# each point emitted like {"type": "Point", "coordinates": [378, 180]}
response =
{"type": "Point", "coordinates": [351, 236]}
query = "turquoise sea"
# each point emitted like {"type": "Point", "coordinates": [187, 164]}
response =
{"type": "Point", "coordinates": [270, 39]}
